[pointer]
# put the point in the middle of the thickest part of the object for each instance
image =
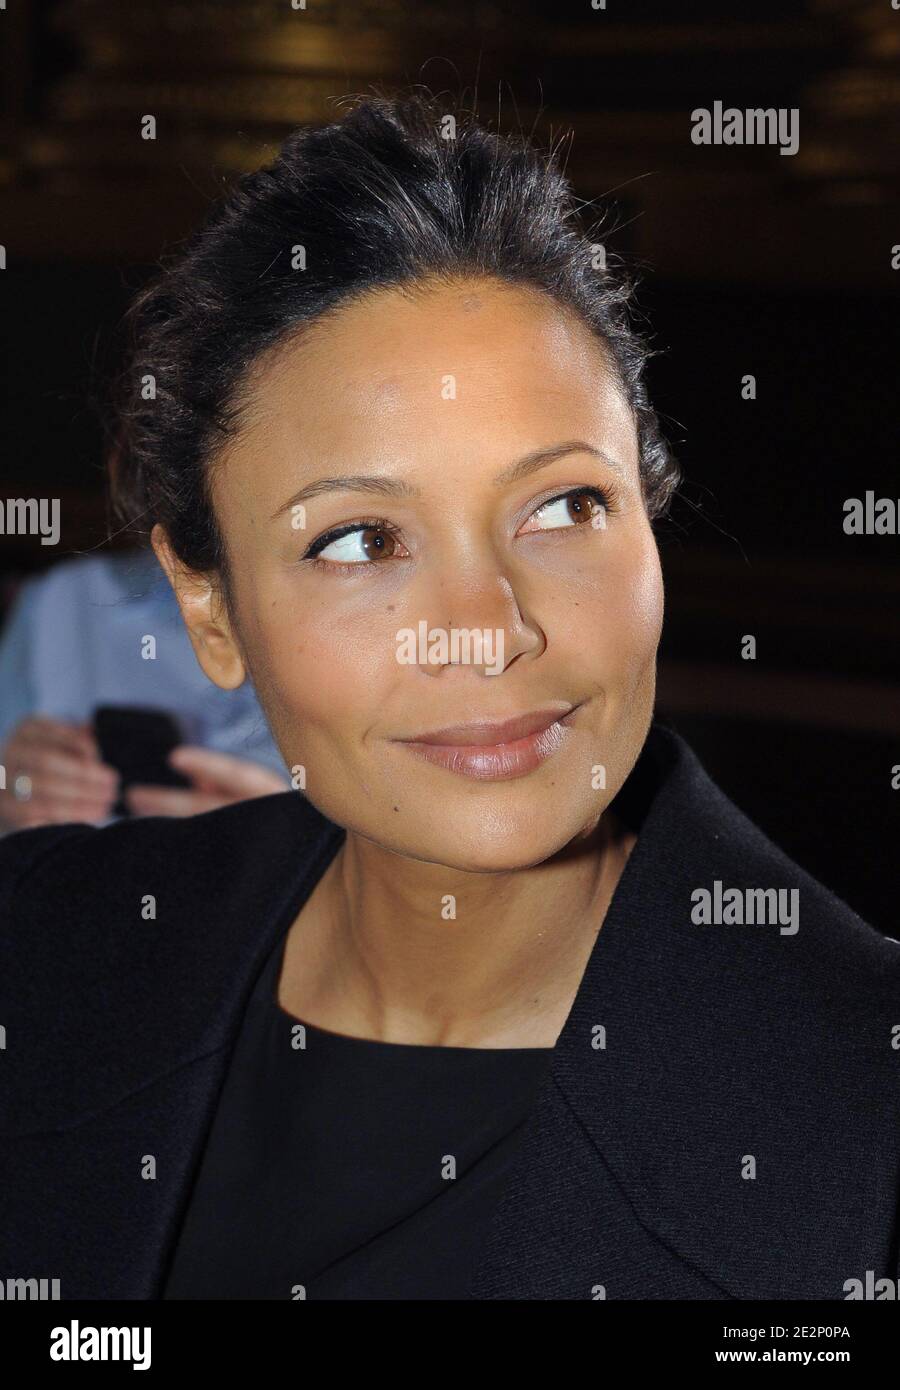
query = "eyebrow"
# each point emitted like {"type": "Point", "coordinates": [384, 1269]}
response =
{"type": "Point", "coordinates": [399, 488]}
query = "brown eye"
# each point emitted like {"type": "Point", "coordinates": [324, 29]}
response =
{"type": "Point", "coordinates": [357, 545]}
{"type": "Point", "coordinates": [579, 506]}
{"type": "Point", "coordinates": [377, 543]}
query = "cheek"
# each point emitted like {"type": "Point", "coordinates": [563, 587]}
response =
{"type": "Point", "coordinates": [643, 601]}
{"type": "Point", "coordinates": [613, 627]}
{"type": "Point", "coordinates": [321, 670]}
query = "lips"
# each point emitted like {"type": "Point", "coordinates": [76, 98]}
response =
{"type": "Point", "coordinates": [480, 734]}
{"type": "Point", "coordinates": [495, 752]}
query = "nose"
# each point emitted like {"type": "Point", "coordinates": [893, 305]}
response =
{"type": "Point", "coordinates": [476, 619]}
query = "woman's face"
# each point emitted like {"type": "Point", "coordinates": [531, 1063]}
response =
{"type": "Point", "coordinates": [426, 405]}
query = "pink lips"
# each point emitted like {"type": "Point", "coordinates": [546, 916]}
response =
{"type": "Point", "coordinates": [495, 752]}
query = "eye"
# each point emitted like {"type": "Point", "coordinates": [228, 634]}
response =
{"type": "Point", "coordinates": [364, 543]}
{"type": "Point", "coordinates": [579, 506]}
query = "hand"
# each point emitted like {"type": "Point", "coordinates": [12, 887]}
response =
{"type": "Point", "coordinates": [218, 780]}
{"type": "Point", "coordinates": [57, 766]}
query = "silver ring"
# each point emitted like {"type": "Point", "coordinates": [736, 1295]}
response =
{"type": "Point", "coordinates": [22, 787]}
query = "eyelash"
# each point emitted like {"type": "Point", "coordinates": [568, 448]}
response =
{"type": "Point", "coordinates": [603, 496]}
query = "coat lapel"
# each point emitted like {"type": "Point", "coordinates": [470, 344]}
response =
{"type": "Point", "coordinates": [109, 1125]}
{"type": "Point", "coordinates": [723, 1055]}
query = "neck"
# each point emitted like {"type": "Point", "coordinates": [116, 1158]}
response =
{"type": "Point", "coordinates": [398, 950]}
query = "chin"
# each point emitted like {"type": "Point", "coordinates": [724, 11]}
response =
{"type": "Point", "coordinates": [465, 842]}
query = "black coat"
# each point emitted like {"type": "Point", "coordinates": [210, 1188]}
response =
{"type": "Point", "coordinates": [725, 1046]}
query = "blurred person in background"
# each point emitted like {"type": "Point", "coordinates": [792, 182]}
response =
{"type": "Point", "coordinates": [76, 639]}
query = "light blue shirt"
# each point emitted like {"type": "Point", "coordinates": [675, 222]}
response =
{"type": "Point", "coordinates": [75, 638]}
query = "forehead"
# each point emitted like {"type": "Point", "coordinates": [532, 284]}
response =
{"type": "Point", "coordinates": [399, 372]}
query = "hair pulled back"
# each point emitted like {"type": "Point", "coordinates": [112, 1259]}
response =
{"type": "Point", "coordinates": [381, 197]}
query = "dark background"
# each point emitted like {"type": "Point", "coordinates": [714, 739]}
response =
{"type": "Point", "coordinates": [753, 262]}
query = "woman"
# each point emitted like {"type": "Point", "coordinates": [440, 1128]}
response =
{"type": "Point", "coordinates": [506, 999]}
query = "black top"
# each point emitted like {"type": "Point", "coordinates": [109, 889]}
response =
{"type": "Point", "coordinates": [719, 1117]}
{"type": "Point", "coordinates": [341, 1167]}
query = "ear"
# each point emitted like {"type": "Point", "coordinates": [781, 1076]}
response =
{"type": "Point", "coordinates": [205, 616]}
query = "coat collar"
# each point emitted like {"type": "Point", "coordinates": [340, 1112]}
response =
{"type": "Point", "coordinates": [723, 1051]}
{"type": "Point", "coordinates": [717, 1048]}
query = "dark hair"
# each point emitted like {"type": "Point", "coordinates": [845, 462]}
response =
{"type": "Point", "coordinates": [379, 198]}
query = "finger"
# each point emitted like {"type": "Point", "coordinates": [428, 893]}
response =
{"type": "Point", "coordinates": [63, 773]}
{"type": "Point", "coordinates": [57, 733]}
{"type": "Point", "coordinates": [238, 777]}
{"type": "Point", "coordinates": [169, 801]}
{"type": "Point", "coordinates": [46, 801]}
{"type": "Point", "coordinates": [88, 738]}
{"type": "Point", "coordinates": [88, 811]}
{"type": "Point", "coordinates": [65, 795]}
{"type": "Point", "coordinates": [24, 814]}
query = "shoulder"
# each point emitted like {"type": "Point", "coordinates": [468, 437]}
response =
{"type": "Point", "coordinates": [750, 1011]}
{"type": "Point", "coordinates": [751, 905]}
{"type": "Point", "coordinates": [36, 865]}
{"type": "Point", "coordinates": [22, 850]}
{"type": "Point", "coordinates": [95, 579]}
{"type": "Point", "coordinates": [124, 949]}
{"type": "Point", "coordinates": [66, 889]}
